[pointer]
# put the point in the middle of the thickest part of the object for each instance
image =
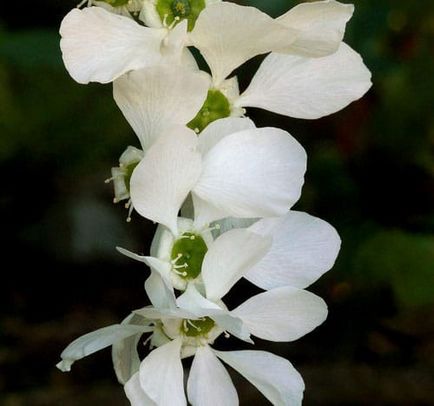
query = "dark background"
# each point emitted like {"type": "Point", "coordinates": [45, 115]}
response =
{"type": "Point", "coordinates": [370, 174]}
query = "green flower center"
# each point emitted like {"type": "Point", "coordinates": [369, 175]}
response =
{"type": "Point", "coordinates": [116, 3]}
{"type": "Point", "coordinates": [197, 328]}
{"type": "Point", "coordinates": [181, 8]}
{"type": "Point", "coordinates": [129, 169]}
{"type": "Point", "coordinates": [173, 11]}
{"type": "Point", "coordinates": [216, 106]}
{"type": "Point", "coordinates": [187, 255]}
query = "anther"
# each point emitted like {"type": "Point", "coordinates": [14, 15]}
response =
{"type": "Point", "coordinates": [184, 274]}
{"type": "Point", "coordinates": [130, 208]}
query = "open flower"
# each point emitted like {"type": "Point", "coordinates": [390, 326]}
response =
{"type": "Point", "coordinates": [314, 76]}
{"type": "Point", "coordinates": [154, 100]}
{"type": "Point", "coordinates": [231, 169]}
{"type": "Point", "coordinates": [283, 314]}
{"type": "Point", "coordinates": [192, 256]}
{"type": "Point", "coordinates": [98, 46]}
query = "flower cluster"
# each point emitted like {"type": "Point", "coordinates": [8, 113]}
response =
{"type": "Point", "coordinates": [220, 189]}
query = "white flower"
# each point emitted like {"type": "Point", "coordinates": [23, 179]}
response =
{"type": "Point", "coordinates": [283, 314]}
{"type": "Point", "coordinates": [154, 100]}
{"type": "Point", "coordinates": [303, 248]}
{"type": "Point", "coordinates": [191, 256]}
{"type": "Point", "coordinates": [313, 76]}
{"type": "Point", "coordinates": [121, 176]}
{"type": "Point", "coordinates": [100, 46]}
{"type": "Point", "coordinates": [228, 35]}
{"type": "Point", "coordinates": [232, 169]}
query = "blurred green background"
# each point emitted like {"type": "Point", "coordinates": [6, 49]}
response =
{"type": "Point", "coordinates": [370, 174]}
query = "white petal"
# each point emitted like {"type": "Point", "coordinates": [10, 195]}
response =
{"type": "Point", "coordinates": [209, 384]}
{"type": "Point", "coordinates": [205, 212]}
{"type": "Point", "coordinates": [320, 26]}
{"type": "Point", "coordinates": [162, 238]}
{"type": "Point", "coordinates": [252, 173]}
{"type": "Point", "coordinates": [159, 284]}
{"type": "Point", "coordinates": [282, 314]}
{"type": "Point", "coordinates": [233, 325]}
{"type": "Point", "coordinates": [219, 129]}
{"type": "Point", "coordinates": [162, 375]}
{"type": "Point", "coordinates": [175, 42]}
{"type": "Point", "coordinates": [95, 341]}
{"type": "Point", "coordinates": [157, 98]}
{"type": "Point", "coordinates": [308, 88]}
{"type": "Point", "coordinates": [125, 357]}
{"type": "Point", "coordinates": [274, 376]}
{"type": "Point", "coordinates": [228, 35]}
{"type": "Point", "coordinates": [231, 256]}
{"type": "Point", "coordinates": [135, 393]}
{"type": "Point", "coordinates": [232, 222]}
{"type": "Point", "coordinates": [99, 46]}
{"type": "Point", "coordinates": [195, 303]}
{"type": "Point", "coordinates": [162, 180]}
{"type": "Point", "coordinates": [153, 313]}
{"type": "Point", "coordinates": [160, 291]}
{"type": "Point", "coordinates": [304, 248]}
{"type": "Point", "coordinates": [156, 264]}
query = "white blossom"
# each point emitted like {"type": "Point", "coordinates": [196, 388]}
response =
{"type": "Point", "coordinates": [100, 46]}
{"type": "Point", "coordinates": [192, 256]}
{"type": "Point", "coordinates": [283, 314]}
{"type": "Point", "coordinates": [230, 171]}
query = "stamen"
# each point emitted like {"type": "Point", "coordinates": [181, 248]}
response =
{"type": "Point", "coordinates": [193, 325]}
{"type": "Point", "coordinates": [209, 229]}
{"type": "Point", "coordinates": [174, 22]}
{"type": "Point", "coordinates": [147, 340]}
{"type": "Point", "coordinates": [174, 261]}
{"type": "Point", "coordinates": [82, 3]}
{"type": "Point", "coordinates": [187, 237]}
{"type": "Point", "coordinates": [130, 208]}
{"type": "Point", "coordinates": [109, 180]}
{"type": "Point", "coordinates": [165, 20]}
{"type": "Point", "coordinates": [184, 265]}
{"type": "Point", "coordinates": [183, 274]}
